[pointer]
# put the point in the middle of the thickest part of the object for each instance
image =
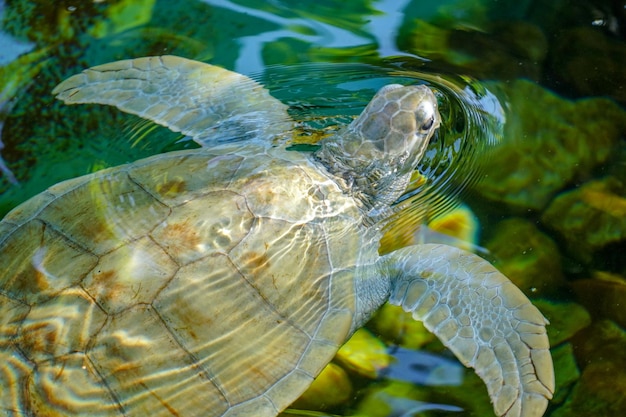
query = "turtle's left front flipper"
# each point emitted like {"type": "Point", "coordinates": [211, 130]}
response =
{"type": "Point", "coordinates": [482, 317]}
{"type": "Point", "coordinates": [207, 103]}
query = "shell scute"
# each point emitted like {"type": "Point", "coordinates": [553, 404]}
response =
{"type": "Point", "coordinates": [129, 275]}
{"type": "Point", "coordinates": [147, 370]}
{"type": "Point", "coordinates": [49, 396]}
{"type": "Point", "coordinates": [214, 222]}
{"type": "Point", "coordinates": [182, 176]}
{"type": "Point", "coordinates": [38, 262]}
{"type": "Point", "coordinates": [215, 313]}
{"type": "Point", "coordinates": [118, 209]}
{"type": "Point", "coordinates": [289, 266]}
{"type": "Point", "coordinates": [59, 326]}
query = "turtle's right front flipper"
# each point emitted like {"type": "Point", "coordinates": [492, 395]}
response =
{"type": "Point", "coordinates": [482, 317]}
{"type": "Point", "coordinates": [207, 103]}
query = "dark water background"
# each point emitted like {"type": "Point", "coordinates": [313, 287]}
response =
{"type": "Point", "coordinates": [532, 96]}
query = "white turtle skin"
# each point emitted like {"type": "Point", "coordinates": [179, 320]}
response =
{"type": "Point", "coordinates": [220, 281]}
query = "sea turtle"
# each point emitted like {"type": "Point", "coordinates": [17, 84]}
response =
{"type": "Point", "coordinates": [219, 281]}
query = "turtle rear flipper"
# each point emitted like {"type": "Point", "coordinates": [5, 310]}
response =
{"type": "Point", "coordinates": [208, 103]}
{"type": "Point", "coordinates": [483, 318]}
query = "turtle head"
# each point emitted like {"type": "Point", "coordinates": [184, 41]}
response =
{"type": "Point", "coordinates": [376, 153]}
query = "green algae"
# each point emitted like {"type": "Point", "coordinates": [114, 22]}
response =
{"type": "Point", "coordinates": [600, 390]}
{"type": "Point", "coordinates": [527, 256]}
{"type": "Point", "coordinates": [590, 217]}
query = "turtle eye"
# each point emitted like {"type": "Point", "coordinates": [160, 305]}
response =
{"type": "Point", "coordinates": [428, 124]}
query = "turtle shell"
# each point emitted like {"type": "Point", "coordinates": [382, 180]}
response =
{"type": "Point", "coordinates": [208, 282]}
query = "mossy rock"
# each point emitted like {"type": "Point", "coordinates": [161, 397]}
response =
{"type": "Point", "coordinates": [566, 319]}
{"type": "Point", "coordinates": [609, 288]}
{"type": "Point", "coordinates": [590, 61]}
{"type": "Point", "coordinates": [600, 390]}
{"type": "Point", "coordinates": [526, 255]}
{"type": "Point", "coordinates": [590, 217]}
{"type": "Point", "coordinates": [549, 143]}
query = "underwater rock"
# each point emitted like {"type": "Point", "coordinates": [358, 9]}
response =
{"type": "Point", "coordinates": [549, 142]}
{"type": "Point", "coordinates": [591, 62]}
{"type": "Point", "coordinates": [609, 288]}
{"type": "Point", "coordinates": [500, 50]}
{"type": "Point", "coordinates": [566, 371]}
{"type": "Point", "coordinates": [331, 388]}
{"type": "Point", "coordinates": [602, 342]}
{"type": "Point", "coordinates": [590, 217]}
{"type": "Point", "coordinates": [526, 255]}
{"type": "Point", "coordinates": [398, 398]}
{"type": "Point", "coordinates": [600, 391]}
{"type": "Point", "coordinates": [37, 21]}
{"type": "Point", "coordinates": [566, 319]}
{"type": "Point", "coordinates": [458, 227]}
{"type": "Point", "coordinates": [398, 327]}
{"type": "Point", "coordinates": [364, 354]}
